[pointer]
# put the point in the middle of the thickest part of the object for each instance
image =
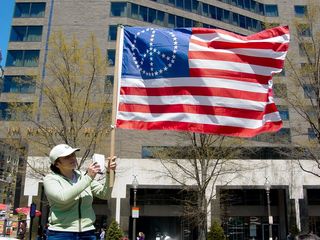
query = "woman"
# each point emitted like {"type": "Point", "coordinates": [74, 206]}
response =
{"type": "Point", "coordinates": [70, 194]}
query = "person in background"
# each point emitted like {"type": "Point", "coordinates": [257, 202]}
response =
{"type": "Point", "coordinates": [70, 194]}
{"type": "Point", "coordinates": [140, 236]}
{"type": "Point", "coordinates": [102, 234]}
{"type": "Point", "coordinates": [309, 236]}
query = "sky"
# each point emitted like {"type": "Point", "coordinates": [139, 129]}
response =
{"type": "Point", "coordinates": [6, 13]}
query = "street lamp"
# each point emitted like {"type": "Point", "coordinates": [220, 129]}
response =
{"type": "Point", "coordinates": [135, 185]}
{"type": "Point", "coordinates": [8, 181]}
{"type": "Point", "coordinates": [267, 187]}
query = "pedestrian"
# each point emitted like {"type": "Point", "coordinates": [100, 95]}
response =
{"type": "Point", "coordinates": [70, 194]}
{"type": "Point", "coordinates": [309, 236]}
{"type": "Point", "coordinates": [102, 234]}
{"type": "Point", "coordinates": [140, 236]}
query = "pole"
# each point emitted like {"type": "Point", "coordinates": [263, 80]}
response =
{"type": "Point", "coordinates": [117, 73]}
{"type": "Point", "coordinates": [269, 215]}
{"type": "Point", "coordinates": [134, 219]}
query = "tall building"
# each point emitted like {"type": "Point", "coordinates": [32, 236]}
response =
{"type": "Point", "coordinates": [294, 194]}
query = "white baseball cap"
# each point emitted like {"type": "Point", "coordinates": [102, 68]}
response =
{"type": "Point", "coordinates": [61, 150]}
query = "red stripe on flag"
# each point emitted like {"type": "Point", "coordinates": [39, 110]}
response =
{"type": "Point", "coordinates": [226, 74]}
{"type": "Point", "coordinates": [194, 91]}
{"type": "Point", "coordinates": [200, 128]}
{"type": "Point", "coordinates": [268, 33]}
{"type": "Point", "coordinates": [277, 47]}
{"type": "Point", "coordinates": [231, 57]}
{"type": "Point", "coordinates": [196, 109]}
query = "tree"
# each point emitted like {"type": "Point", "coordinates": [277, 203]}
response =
{"type": "Point", "coordinates": [198, 163]}
{"type": "Point", "coordinates": [303, 73]}
{"type": "Point", "coordinates": [216, 232]}
{"type": "Point", "coordinates": [114, 232]}
{"type": "Point", "coordinates": [73, 107]}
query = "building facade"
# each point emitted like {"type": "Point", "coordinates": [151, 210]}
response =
{"type": "Point", "coordinates": [294, 194]}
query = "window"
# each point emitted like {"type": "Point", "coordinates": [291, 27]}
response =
{"type": "Point", "coordinates": [108, 87]}
{"type": "Point", "coordinates": [26, 34]}
{"type": "Point", "coordinates": [309, 91]}
{"type": "Point", "coordinates": [300, 10]}
{"type": "Point", "coordinates": [280, 90]}
{"type": "Point", "coordinates": [118, 9]}
{"type": "Point", "coordinates": [305, 49]}
{"type": "Point", "coordinates": [311, 134]}
{"type": "Point", "coordinates": [284, 113]}
{"type": "Point", "coordinates": [282, 136]}
{"type": "Point", "coordinates": [23, 58]}
{"type": "Point", "coordinates": [111, 55]}
{"type": "Point", "coordinates": [25, 10]}
{"type": "Point", "coordinates": [112, 36]}
{"type": "Point", "coordinates": [304, 30]}
{"type": "Point", "coordinates": [271, 10]}
{"type": "Point", "coordinates": [15, 111]}
{"type": "Point", "coordinates": [19, 84]}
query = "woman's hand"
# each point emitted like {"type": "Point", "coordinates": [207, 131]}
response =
{"type": "Point", "coordinates": [93, 169]}
{"type": "Point", "coordinates": [111, 163]}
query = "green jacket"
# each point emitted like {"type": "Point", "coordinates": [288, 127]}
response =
{"type": "Point", "coordinates": [71, 203]}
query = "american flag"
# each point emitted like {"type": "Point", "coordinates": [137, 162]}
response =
{"type": "Point", "coordinates": [199, 80]}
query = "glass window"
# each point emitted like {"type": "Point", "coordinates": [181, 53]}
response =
{"type": "Point", "coordinates": [271, 10]}
{"type": "Point", "coordinates": [37, 10]}
{"type": "Point", "coordinates": [284, 113]}
{"type": "Point", "coordinates": [242, 21]}
{"type": "Point", "coordinates": [219, 13]}
{"type": "Point", "coordinates": [118, 9]}
{"type": "Point", "coordinates": [143, 13]}
{"type": "Point", "coordinates": [187, 5]}
{"type": "Point", "coordinates": [309, 91]}
{"type": "Point", "coordinates": [280, 90]}
{"type": "Point", "coordinates": [311, 134]}
{"type": "Point", "coordinates": [160, 18]}
{"type": "Point", "coordinates": [23, 58]}
{"type": "Point", "coordinates": [187, 22]}
{"type": "Point", "coordinates": [205, 9]}
{"type": "Point", "coordinates": [235, 19]}
{"type": "Point", "coordinates": [112, 36]}
{"type": "Point", "coordinates": [108, 87]}
{"type": "Point", "coordinates": [171, 21]}
{"type": "Point", "coordinates": [111, 55]}
{"type": "Point", "coordinates": [300, 10]}
{"type": "Point", "coordinates": [180, 22]}
{"type": "Point", "coordinates": [15, 111]}
{"type": "Point", "coordinates": [19, 84]}
{"type": "Point", "coordinates": [195, 6]}
{"type": "Point", "coordinates": [240, 3]}
{"type": "Point", "coordinates": [260, 8]}
{"type": "Point", "coordinates": [152, 15]}
{"type": "Point", "coordinates": [179, 4]}
{"type": "Point", "coordinates": [135, 11]}
{"type": "Point", "coordinates": [24, 10]}
{"type": "Point", "coordinates": [213, 12]}
{"type": "Point", "coordinates": [26, 34]}
{"type": "Point", "coordinates": [304, 30]}
{"type": "Point", "coordinates": [226, 16]}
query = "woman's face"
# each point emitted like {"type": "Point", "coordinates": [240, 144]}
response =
{"type": "Point", "coordinates": [67, 163]}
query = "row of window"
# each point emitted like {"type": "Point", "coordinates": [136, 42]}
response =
{"type": "Point", "coordinates": [142, 13]}
{"type": "Point", "coordinates": [250, 5]}
{"type": "Point", "coordinates": [18, 84]}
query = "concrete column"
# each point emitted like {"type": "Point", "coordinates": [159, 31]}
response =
{"type": "Point", "coordinates": [297, 208]}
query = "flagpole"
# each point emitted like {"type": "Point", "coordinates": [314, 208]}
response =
{"type": "Point", "coordinates": [115, 99]}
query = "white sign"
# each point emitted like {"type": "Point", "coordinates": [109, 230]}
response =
{"type": "Point", "coordinates": [270, 220]}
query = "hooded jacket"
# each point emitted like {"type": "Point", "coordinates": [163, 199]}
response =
{"type": "Point", "coordinates": [71, 203]}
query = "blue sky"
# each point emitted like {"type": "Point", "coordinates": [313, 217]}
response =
{"type": "Point", "coordinates": [6, 13]}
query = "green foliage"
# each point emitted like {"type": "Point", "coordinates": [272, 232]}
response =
{"type": "Point", "coordinates": [114, 232]}
{"type": "Point", "coordinates": [216, 232]}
